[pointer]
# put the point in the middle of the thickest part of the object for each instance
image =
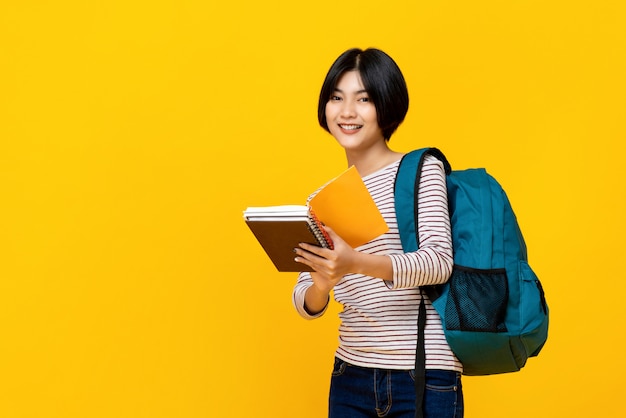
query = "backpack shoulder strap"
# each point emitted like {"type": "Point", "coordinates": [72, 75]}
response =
{"type": "Point", "coordinates": [406, 188]}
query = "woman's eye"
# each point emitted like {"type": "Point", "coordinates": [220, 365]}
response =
{"type": "Point", "coordinates": [364, 99]}
{"type": "Point", "coordinates": [335, 98]}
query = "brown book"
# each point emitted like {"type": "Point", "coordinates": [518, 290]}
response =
{"type": "Point", "coordinates": [279, 229]}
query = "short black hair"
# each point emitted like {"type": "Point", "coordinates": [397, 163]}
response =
{"type": "Point", "coordinates": [382, 80]}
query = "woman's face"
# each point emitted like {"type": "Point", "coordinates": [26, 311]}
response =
{"type": "Point", "coordinates": [351, 116]}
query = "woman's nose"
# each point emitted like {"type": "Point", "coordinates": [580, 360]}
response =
{"type": "Point", "coordinates": [347, 109]}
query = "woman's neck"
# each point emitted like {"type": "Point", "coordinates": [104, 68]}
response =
{"type": "Point", "coordinates": [373, 160]}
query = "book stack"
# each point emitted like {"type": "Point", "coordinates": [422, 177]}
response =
{"type": "Point", "coordinates": [344, 204]}
{"type": "Point", "coordinates": [280, 229]}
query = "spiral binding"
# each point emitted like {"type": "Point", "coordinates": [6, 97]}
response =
{"type": "Point", "coordinates": [318, 230]}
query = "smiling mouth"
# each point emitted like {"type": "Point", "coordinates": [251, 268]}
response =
{"type": "Point", "coordinates": [350, 127]}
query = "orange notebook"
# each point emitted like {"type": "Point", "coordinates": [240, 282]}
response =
{"type": "Point", "coordinates": [347, 207]}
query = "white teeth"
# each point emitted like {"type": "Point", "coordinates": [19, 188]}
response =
{"type": "Point", "coordinates": [350, 127]}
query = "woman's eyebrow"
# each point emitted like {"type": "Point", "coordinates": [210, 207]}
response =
{"type": "Point", "coordinates": [338, 90]}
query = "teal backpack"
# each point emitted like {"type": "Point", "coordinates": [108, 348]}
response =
{"type": "Point", "coordinates": [493, 309]}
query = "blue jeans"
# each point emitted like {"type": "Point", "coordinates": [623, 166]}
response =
{"type": "Point", "coordinates": [358, 392]}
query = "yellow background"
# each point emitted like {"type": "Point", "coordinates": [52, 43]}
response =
{"type": "Point", "coordinates": [133, 134]}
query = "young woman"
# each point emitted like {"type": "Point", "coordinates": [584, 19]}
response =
{"type": "Point", "coordinates": [362, 101]}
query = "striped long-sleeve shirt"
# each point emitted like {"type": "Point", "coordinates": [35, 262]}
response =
{"type": "Point", "coordinates": [379, 319]}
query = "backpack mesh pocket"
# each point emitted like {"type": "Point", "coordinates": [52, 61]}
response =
{"type": "Point", "coordinates": [477, 300]}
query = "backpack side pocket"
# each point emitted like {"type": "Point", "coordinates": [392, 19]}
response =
{"type": "Point", "coordinates": [477, 300]}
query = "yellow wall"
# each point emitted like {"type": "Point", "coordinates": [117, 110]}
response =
{"type": "Point", "coordinates": [133, 134]}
